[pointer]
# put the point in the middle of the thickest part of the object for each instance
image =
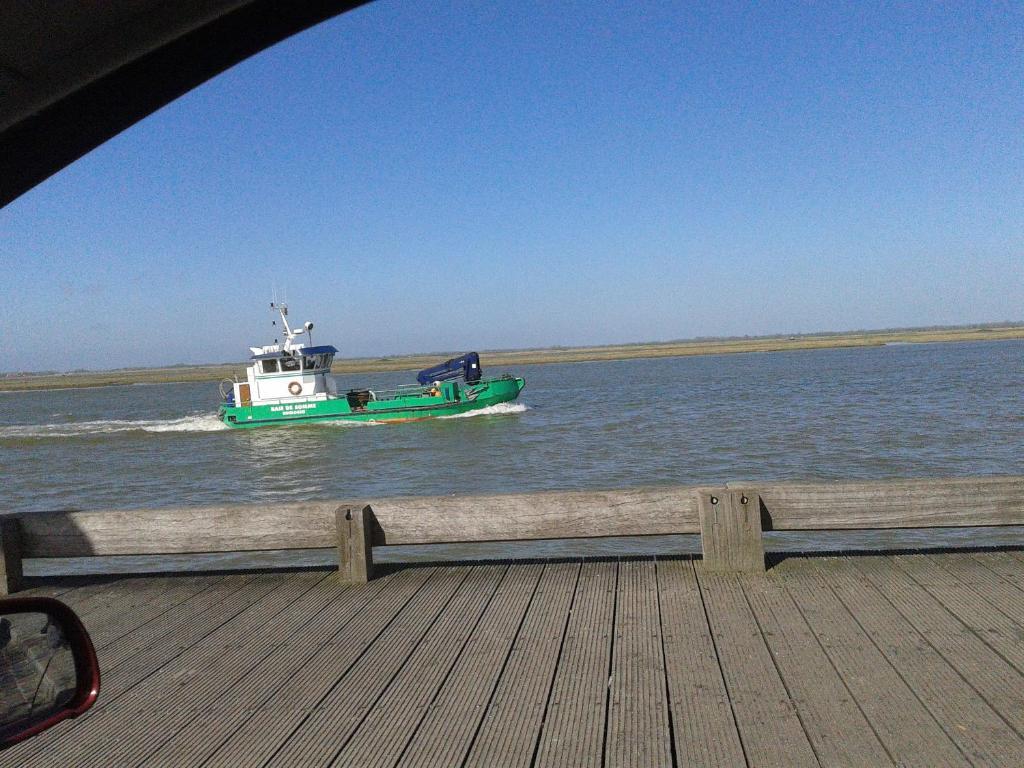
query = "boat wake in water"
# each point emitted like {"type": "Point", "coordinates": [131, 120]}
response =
{"type": "Point", "coordinates": [498, 409]}
{"type": "Point", "coordinates": [198, 422]}
{"type": "Point", "coordinates": [492, 410]}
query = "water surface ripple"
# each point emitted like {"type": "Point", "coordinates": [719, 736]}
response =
{"type": "Point", "coordinates": [894, 411]}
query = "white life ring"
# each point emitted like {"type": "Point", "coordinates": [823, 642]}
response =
{"type": "Point", "coordinates": [295, 388]}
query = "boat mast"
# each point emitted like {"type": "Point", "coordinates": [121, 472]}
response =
{"type": "Point", "coordinates": [290, 335]}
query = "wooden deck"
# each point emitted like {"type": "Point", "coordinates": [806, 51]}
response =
{"type": "Point", "coordinates": [913, 660]}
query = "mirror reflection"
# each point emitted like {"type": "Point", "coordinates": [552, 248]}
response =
{"type": "Point", "coordinates": [37, 668]}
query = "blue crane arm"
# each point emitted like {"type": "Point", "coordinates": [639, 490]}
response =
{"type": "Point", "coordinates": [466, 367]}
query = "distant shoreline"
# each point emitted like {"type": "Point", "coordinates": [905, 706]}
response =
{"type": "Point", "coordinates": [500, 359]}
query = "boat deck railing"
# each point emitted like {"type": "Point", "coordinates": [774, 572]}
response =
{"type": "Point", "coordinates": [392, 393]}
{"type": "Point", "coordinates": [405, 390]}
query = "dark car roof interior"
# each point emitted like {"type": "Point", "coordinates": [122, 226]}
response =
{"type": "Point", "coordinates": [74, 74]}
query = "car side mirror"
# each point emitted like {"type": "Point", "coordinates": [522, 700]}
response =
{"type": "Point", "coordinates": [48, 668]}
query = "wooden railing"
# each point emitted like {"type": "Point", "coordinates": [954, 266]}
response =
{"type": "Point", "coordinates": [729, 518]}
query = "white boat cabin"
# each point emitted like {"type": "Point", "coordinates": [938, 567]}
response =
{"type": "Point", "coordinates": [288, 372]}
{"type": "Point", "coordinates": [300, 373]}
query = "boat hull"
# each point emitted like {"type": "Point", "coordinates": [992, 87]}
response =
{"type": "Point", "coordinates": [412, 407]}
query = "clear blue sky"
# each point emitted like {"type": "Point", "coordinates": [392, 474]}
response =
{"type": "Point", "coordinates": [445, 176]}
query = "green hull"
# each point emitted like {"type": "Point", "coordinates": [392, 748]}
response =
{"type": "Point", "coordinates": [410, 404]}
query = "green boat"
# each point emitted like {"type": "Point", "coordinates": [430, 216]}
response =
{"type": "Point", "coordinates": [291, 383]}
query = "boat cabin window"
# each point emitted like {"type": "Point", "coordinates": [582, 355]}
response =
{"type": "Point", "coordinates": [289, 363]}
{"type": "Point", "coordinates": [320, 362]}
{"type": "Point", "coordinates": [270, 366]}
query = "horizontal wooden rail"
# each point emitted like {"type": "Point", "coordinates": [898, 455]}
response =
{"type": "Point", "coordinates": [923, 503]}
{"type": "Point", "coordinates": [403, 520]}
{"type": "Point", "coordinates": [730, 519]}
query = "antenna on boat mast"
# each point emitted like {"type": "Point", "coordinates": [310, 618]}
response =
{"type": "Point", "coordinates": [289, 334]}
{"type": "Point", "coordinates": [281, 308]}
{"type": "Point", "coordinates": [273, 307]}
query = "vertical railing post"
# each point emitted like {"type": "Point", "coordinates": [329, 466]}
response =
{"type": "Point", "coordinates": [730, 530]}
{"type": "Point", "coordinates": [11, 574]}
{"type": "Point", "coordinates": [355, 544]}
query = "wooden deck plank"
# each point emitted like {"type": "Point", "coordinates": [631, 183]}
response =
{"type": "Point", "coordinates": [132, 658]}
{"type": "Point", "coordinates": [86, 598]}
{"type": "Point", "coordinates": [218, 593]}
{"type": "Point", "coordinates": [766, 717]}
{"type": "Point", "coordinates": [228, 712]}
{"type": "Point", "coordinates": [446, 733]}
{"type": "Point", "coordinates": [1016, 555]}
{"type": "Point", "coordinates": [994, 679]}
{"type": "Point", "coordinates": [316, 679]}
{"type": "Point", "coordinates": [151, 710]}
{"type": "Point", "coordinates": [702, 720]}
{"type": "Point", "coordinates": [110, 602]}
{"type": "Point", "coordinates": [333, 625]}
{"type": "Point", "coordinates": [573, 731]}
{"type": "Point", "coordinates": [103, 604]}
{"type": "Point", "coordinates": [982, 735]}
{"type": "Point", "coordinates": [217, 662]}
{"type": "Point", "coordinates": [1008, 565]}
{"type": "Point", "coordinates": [831, 717]}
{"type": "Point", "coordinates": [913, 659]}
{"type": "Point", "coordinates": [994, 581]}
{"type": "Point", "coordinates": [150, 651]}
{"type": "Point", "coordinates": [638, 726]}
{"type": "Point", "coordinates": [80, 596]}
{"type": "Point", "coordinates": [137, 609]}
{"type": "Point", "coordinates": [267, 728]}
{"type": "Point", "coordinates": [49, 586]}
{"type": "Point", "coordinates": [212, 664]}
{"type": "Point", "coordinates": [511, 726]}
{"type": "Point", "coordinates": [960, 586]}
{"type": "Point", "coordinates": [912, 736]}
{"type": "Point", "coordinates": [380, 739]}
{"type": "Point", "coordinates": [317, 740]}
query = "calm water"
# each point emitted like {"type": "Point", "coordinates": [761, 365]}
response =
{"type": "Point", "coordinates": [895, 411]}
